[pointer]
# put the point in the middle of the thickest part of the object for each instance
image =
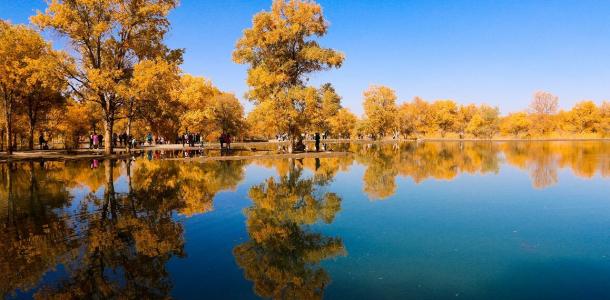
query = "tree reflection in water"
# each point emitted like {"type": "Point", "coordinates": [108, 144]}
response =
{"type": "Point", "coordinates": [115, 243]}
{"type": "Point", "coordinates": [122, 248]}
{"type": "Point", "coordinates": [283, 254]}
{"type": "Point", "coordinates": [35, 233]}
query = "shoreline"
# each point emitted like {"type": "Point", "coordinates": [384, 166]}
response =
{"type": "Point", "coordinates": [250, 147]}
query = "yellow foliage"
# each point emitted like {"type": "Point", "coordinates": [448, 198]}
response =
{"type": "Point", "coordinates": [380, 110]}
{"type": "Point", "coordinates": [281, 51]}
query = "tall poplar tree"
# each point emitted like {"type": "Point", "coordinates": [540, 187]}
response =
{"type": "Point", "coordinates": [281, 51]}
{"type": "Point", "coordinates": [110, 36]}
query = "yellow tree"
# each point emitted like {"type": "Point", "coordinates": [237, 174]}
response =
{"type": "Point", "coordinates": [380, 110]}
{"type": "Point", "coordinates": [464, 115]}
{"type": "Point", "coordinates": [152, 94]}
{"type": "Point", "coordinates": [515, 124]}
{"type": "Point", "coordinates": [227, 114]}
{"type": "Point", "coordinates": [484, 124]}
{"type": "Point", "coordinates": [424, 117]}
{"type": "Point", "coordinates": [74, 123]}
{"type": "Point", "coordinates": [583, 118]}
{"type": "Point", "coordinates": [446, 115]}
{"type": "Point", "coordinates": [20, 50]}
{"type": "Point", "coordinates": [196, 95]}
{"type": "Point", "coordinates": [281, 51]}
{"type": "Point", "coordinates": [45, 85]}
{"type": "Point", "coordinates": [327, 106]}
{"type": "Point", "coordinates": [110, 36]}
{"type": "Point", "coordinates": [260, 123]}
{"type": "Point", "coordinates": [405, 119]}
{"type": "Point", "coordinates": [342, 124]}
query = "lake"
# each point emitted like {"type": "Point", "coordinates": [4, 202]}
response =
{"type": "Point", "coordinates": [427, 220]}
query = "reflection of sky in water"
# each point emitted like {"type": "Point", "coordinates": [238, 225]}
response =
{"type": "Point", "coordinates": [492, 235]}
{"type": "Point", "coordinates": [476, 236]}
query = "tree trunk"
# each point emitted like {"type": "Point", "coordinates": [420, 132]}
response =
{"type": "Point", "coordinates": [108, 124]}
{"type": "Point", "coordinates": [291, 145]}
{"type": "Point", "coordinates": [31, 138]}
{"type": "Point", "coordinates": [128, 132]}
{"type": "Point", "coordinates": [9, 131]}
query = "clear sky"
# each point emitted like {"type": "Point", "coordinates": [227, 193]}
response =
{"type": "Point", "coordinates": [481, 51]}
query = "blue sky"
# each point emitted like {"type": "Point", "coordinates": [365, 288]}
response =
{"type": "Point", "coordinates": [484, 51]}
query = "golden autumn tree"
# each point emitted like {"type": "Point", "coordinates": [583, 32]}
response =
{"type": "Point", "coordinates": [405, 119]}
{"type": "Point", "coordinates": [485, 123]}
{"type": "Point", "coordinates": [227, 114]}
{"type": "Point", "coordinates": [464, 115]}
{"type": "Point", "coordinates": [380, 110]}
{"type": "Point", "coordinates": [583, 118]}
{"type": "Point", "coordinates": [110, 36]}
{"type": "Point", "coordinates": [196, 94]}
{"type": "Point", "coordinates": [281, 51]}
{"type": "Point", "coordinates": [446, 115]}
{"type": "Point", "coordinates": [152, 97]}
{"type": "Point", "coordinates": [515, 124]}
{"type": "Point", "coordinates": [26, 75]}
{"type": "Point", "coordinates": [74, 123]}
{"type": "Point", "coordinates": [324, 109]}
{"type": "Point", "coordinates": [45, 87]}
{"type": "Point", "coordinates": [260, 124]}
{"type": "Point", "coordinates": [342, 123]}
{"type": "Point", "coordinates": [423, 121]}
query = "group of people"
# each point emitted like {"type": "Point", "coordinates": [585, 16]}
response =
{"type": "Point", "coordinates": [124, 140]}
{"type": "Point", "coordinates": [96, 141]}
{"type": "Point", "coordinates": [190, 139]}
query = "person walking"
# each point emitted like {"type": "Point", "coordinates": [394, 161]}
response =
{"type": "Point", "coordinates": [317, 137]}
{"type": "Point", "coordinates": [228, 141]}
{"type": "Point", "coordinates": [95, 140]}
{"type": "Point", "coordinates": [41, 141]}
{"type": "Point", "coordinates": [221, 139]}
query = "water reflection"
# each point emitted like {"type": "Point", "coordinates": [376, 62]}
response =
{"type": "Point", "coordinates": [122, 247]}
{"type": "Point", "coordinates": [108, 244]}
{"type": "Point", "coordinates": [282, 256]}
{"type": "Point", "coordinates": [107, 229]}
{"type": "Point", "coordinates": [447, 160]}
{"type": "Point", "coordinates": [35, 235]}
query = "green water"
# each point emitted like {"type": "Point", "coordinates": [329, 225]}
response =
{"type": "Point", "coordinates": [472, 220]}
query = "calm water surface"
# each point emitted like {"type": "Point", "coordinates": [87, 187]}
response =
{"type": "Point", "coordinates": [473, 220]}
